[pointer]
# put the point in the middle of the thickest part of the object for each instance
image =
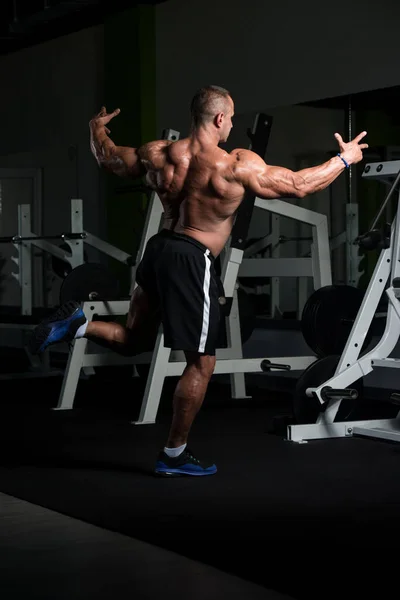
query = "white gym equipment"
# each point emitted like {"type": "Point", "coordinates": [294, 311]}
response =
{"type": "Point", "coordinates": [164, 362]}
{"type": "Point", "coordinates": [24, 242]}
{"type": "Point", "coordinates": [351, 367]}
{"type": "Point", "coordinates": [254, 265]}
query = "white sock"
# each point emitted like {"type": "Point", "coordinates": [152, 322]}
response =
{"type": "Point", "coordinates": [174, 452]}
{"type": "Point", "coordinates": [80, 332]}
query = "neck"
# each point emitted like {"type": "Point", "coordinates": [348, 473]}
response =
{"type": "Point", "coordinates": [205, 135]}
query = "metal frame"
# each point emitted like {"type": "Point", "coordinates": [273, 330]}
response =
{"type": "Point", "coordinates": [275, 267]}
{"type": "Point", "coordinates": [75, 257]}
{"type": "Point", "coordinates": [318, 266]}
{"type": "Point", "coordinates": [41, 366]}
{"type": "Point", "coordinates": [351, 367]}
{"type": "Point", "coordinates": [347, 237]}
{"type": "Point", "coordinates": [25, 249]}
{"type": "Point", "coordinates": [351, 230]}
{"type": "Point", "coordinates": [25, 221]}
{"type": "Point", "coordinates": [269, 243]}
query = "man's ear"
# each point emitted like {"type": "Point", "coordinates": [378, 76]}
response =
{"type": "Point", "coordinates": [218, 120]}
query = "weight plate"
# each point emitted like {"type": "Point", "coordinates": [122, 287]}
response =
{"type": "Point", "coordinates": [307, 409]}
{"type": "Point", "coordinates": [60, 267]}
{"type": "Point", "coordinates": [328, 317]}
{"type": "Point", "coordinates": [88, 279]}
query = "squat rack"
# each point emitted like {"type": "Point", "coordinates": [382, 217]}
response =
{"type": "Point", "coordinates": [352, 367]}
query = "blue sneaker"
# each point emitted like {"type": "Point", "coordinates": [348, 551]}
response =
{"type": "Point", "coordinates": [61, 326]}
{"type": "Point", "coordinates": [184, 464]}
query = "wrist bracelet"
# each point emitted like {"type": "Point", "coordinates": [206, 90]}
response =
{"type": "Point", "coordinates": [346, 163]}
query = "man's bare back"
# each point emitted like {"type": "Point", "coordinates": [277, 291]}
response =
{"type": "Point", "coordinates": [197, 187]}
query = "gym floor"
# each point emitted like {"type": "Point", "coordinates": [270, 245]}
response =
{"type": "Point", "coordinates": [80, 504]}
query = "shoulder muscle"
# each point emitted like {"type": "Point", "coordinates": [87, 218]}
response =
{"type": "Point", "coordinates": [154, 154]}
{"type": "Point", "coordinates": [264, 180]}
{"type": "Point", "coordinates": [246, 163]}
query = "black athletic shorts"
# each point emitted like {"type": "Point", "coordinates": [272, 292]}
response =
{"type": "Point", "coordinates": [177, 272]}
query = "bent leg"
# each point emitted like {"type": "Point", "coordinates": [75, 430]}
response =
{"type": "Point", "coordinates": [139, 333]}
{"type": "Point", "coordinates": [69, 323]}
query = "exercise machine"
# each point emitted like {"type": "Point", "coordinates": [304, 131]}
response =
{"type": "Point", "coordinates": [354, 364]}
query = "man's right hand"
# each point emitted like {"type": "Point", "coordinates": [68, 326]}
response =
{"type": "Point", "coordinates": [352, 151]}
{"type": "Point", "coordinates": [102, 118]}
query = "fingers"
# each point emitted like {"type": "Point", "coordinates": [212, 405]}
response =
{"type": "Point", "coordinates": [103, 118]}
{"type": "Point", "coordinates": [339, 138]}
{"type": "Point", "coordinates": [356, 140]}
{"type": "Point", "coordinates": [360, 136]}
{"type": "Point", "coordinates": [108, 118]}
{"type": "Point", "coordinates": [103, 112]}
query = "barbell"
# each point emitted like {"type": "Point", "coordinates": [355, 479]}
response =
{"type": "Point", "coordinates": [60, 267]}
{"type": "Point", "coordinates": [19, 239]}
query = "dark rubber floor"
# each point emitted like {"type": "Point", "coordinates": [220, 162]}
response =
{"type": "Point", "coordinates": [313, 521]}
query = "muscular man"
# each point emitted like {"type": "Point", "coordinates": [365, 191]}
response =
{"type": "Point", "coordinates": [201, 187]}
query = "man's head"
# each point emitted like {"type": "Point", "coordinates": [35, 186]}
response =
{"type": "Point", "coordinates": [213, 106]}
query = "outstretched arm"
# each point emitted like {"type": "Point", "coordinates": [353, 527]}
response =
{"type": "Point", "coordinates": [267, 181]}
{"type": "Point", "coordinates": [121, 160]}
